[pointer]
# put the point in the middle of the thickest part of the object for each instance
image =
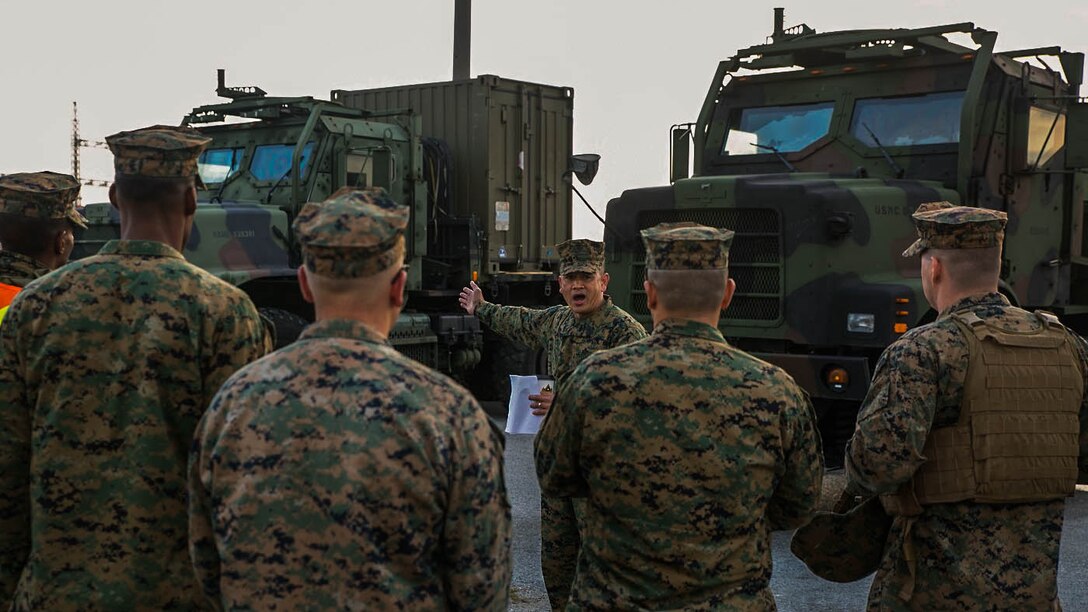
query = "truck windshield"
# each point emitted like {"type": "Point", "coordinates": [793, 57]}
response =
{"type": "Point", "coordinates": [271, 162]}
{"type": "Point", "coordinates": [910, 120]}
{"type": "Point", "coordinates": [785, 128]}
{"type": "Point", "coordinates": [216, 165]}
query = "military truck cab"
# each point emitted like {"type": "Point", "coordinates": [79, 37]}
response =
{"type": "Point", "coordinates": [489, 205]}
{"type": "Point", "coordinates": [816, 148]}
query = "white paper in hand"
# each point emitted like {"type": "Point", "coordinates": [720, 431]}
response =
{"type": "Point", "coordinates": [520, 418]}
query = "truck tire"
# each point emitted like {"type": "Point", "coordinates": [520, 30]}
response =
{"type": "Point", "coordinates": [287, 325]}
{"type": "Point", "coordinates": [836, 420]}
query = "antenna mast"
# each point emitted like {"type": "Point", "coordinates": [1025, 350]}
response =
{"type": "Point", "coordinates": [79, 143]}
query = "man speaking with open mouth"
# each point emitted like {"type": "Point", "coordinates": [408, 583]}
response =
{"type": "Point", "coordinates": [588, 322]}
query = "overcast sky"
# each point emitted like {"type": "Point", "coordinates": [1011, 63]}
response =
{"type": "Point", "coordinates": [636, 66]}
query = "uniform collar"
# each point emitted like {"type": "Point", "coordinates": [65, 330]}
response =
{"type": "Point", "coordinates": [975, 301]}
{"type": "Point", "coordinates": [342, 328]}
{"type": "Point", "coordinates": [140, 248]}
{"type": "Point", "coordinates": [687, 327]}
{"type": "Point", "coordinates": [19, 267]}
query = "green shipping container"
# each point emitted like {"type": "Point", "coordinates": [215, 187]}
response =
{"type": "Point", "coordinates": [510, 143]}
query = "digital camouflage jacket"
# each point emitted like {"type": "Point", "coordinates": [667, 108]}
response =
{"type": "Point", "coordinates": [106, 365]}
{"type": "Point", "coordinates": [970, 556]}
{"type": "Point", "coordinates": [19, 270]}
{"type": "Point", "coordinates": [566, 339]}
{"type": "Point", "coordinates": [339, 474]}
{"type": "Point", "coordinates": [689, 452]}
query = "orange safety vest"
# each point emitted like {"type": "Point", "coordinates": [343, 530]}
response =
{"type": "Point", "coordinates": [7, 294]}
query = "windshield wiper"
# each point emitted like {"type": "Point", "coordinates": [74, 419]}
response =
{"type": "Point", "coordinates": [777, 154]}
{"type": "Point", "coordinates": [218, 197]}
{"type": "Point", "coordinates": [268, 199]}
{"type": "Point", "coordinates": [887, 157]}
{"type": "Point", "coordinates": [231, 175]}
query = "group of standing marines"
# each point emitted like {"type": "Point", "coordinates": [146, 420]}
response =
{"type": "Point", "coordinates": [152, 456]}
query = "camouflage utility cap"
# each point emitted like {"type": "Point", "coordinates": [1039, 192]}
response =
{"type": "Point", "coordinates": [843, 547]}
{"type": "Point", "coordinates": [352, 234]}
{"type": "Point", "coordinates": [686, 246]}
{"type": "Point", "coordinates": [942, 225]}
{"type": "Point", "coordinates": [158, 152]}
{"type": "Point", "coordinates": [580, 255]}
{"type": "Point", "coordinates": [41, 195]}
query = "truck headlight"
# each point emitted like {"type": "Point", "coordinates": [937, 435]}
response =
{"type": "Point", "coordinates": [861, 322]}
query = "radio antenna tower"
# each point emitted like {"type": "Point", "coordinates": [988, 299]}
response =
{"type": "Point", "coordinates": [80, 143]}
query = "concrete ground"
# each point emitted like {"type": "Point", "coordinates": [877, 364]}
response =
{"type": "Point", "coordinates": [794, 587]}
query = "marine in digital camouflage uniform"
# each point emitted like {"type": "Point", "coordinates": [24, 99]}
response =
{"type": "Point", "coordinates": [964, 555]}
{"type": "Point", "coordinates": [338, 474]}
{"type": "Point", "coordinates": [569, 333]}
{"type": "Point", "coordinates": [689, 451]}
{"type": "Point", "coordinates": [37, 218]}
{"type": "Point", "coordinates": [106, 365]}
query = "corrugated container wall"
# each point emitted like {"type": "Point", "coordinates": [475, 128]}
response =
{"type": "Point", "coordinates": [510, 143]}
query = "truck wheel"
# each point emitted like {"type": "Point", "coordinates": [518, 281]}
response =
{"type": "Point", "coordinates": [286, 324]}
{"type": "Point", "coordinates": [836, 420]}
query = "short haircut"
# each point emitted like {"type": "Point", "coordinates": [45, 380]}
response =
{"type": "Point", "coordinates": [28, 235]}
{"type": "Point", "coordinates": [689, 291]}
{"type": "Point", "coordinates": [364, 288]}
{"type": "Point", "coordinates": [969, 268]}
{"type": "Point", "coordinates": [145, 190]}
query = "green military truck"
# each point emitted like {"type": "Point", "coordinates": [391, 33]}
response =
{"type": "Point", "coordinates": [815, 148]}
{"type": "Point", "coordinates": [482, 163]}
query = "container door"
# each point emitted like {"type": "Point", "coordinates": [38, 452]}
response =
{"type": "Point", "coordinates": [531, 129]}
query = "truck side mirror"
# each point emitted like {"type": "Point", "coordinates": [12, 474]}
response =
{"type": "Point", "coordinates": [1076, 136]}
{"type": "Point", "coordinates": [584, 166]}
{"type": "Point", "coordinates": [679, 152]}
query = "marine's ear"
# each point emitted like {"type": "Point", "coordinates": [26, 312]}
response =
{"type": "Point", "coordinates": [304, 285]}
{"type": "Point", "coordinates": [730, 288]}
{"type": "Point", "coordinates": [396, 289]}
{"type": "Point", "coordinates": [651, 294]}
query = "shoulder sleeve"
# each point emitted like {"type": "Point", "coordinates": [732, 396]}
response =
{"type": "Point", "coordinates": [238, 337]}
{"type": "Point", "coordinates": [14, 457]}
{"type": "Point", "coordinates": [202, 548]}
{"type": "Point", "coordinates": [802, 470]}
{"type": "Point", "coordinates": [895, 418]}
{"type": "Point", "coordinates": [627, 328]}
{"type": "Point", "coordinates": [477, 527]}
{"type": "Point", "coordinates": [557, 445]}
{"type": "Point", "coordinates": [528, 326]}
{"type": "Point", "coordinates": [1081, 349]}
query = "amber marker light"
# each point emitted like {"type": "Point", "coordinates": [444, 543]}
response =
{"type": "Point", "coordinates": [837, 379]}
{"type": "Point", "coordinates": [475, 276]}
{"type": "Point", "coordinates": [900, 328]}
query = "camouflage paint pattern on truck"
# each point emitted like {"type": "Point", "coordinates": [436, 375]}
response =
{"type": "Point", "coordinates": [488, 208]}
{"type": "Point", "coordinates": [816, 148]}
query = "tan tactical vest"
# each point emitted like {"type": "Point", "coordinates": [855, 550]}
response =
{"type": "Point", "coordinates": [1017, 439]}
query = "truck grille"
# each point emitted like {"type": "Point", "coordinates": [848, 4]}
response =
{"type": "Point", "coordinates": [755, 259]}
{"type": "Point", "coordinates": [423, 353]}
